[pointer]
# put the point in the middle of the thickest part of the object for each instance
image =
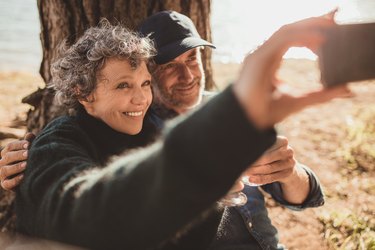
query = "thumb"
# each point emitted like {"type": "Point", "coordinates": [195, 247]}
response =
{"type": "Point", "coordinates": [323, 95]}
{"type": "Point", "coordinates": [29, 137]}
{"type": "Point", "coordinates": [285, 104]}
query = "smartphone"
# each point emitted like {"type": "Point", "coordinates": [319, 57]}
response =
{"type": "Point", "coordinates": [348, 54]}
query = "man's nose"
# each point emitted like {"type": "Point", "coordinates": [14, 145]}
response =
{"type": "Point", "coordinates": [185, 73]}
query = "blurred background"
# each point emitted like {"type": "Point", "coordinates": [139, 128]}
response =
{"type": "Point", "coordinates": [238, 26]}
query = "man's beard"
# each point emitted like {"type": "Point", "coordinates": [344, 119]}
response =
{"type": "Point", "coordinates": [172, 99]}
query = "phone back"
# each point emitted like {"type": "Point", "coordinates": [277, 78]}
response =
{"type": "Point", "coordinates": [348, 54]}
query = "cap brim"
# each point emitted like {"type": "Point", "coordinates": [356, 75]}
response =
{"type": "Point", "coordinates": [173, 50]}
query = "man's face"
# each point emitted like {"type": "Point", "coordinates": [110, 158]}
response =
{"type": "Point", "coordinates": [179, 84]}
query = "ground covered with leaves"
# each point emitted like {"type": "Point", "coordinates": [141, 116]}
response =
{"type": "Point", "coordinates": [337, 140]}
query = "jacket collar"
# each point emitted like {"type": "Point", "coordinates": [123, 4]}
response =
{"type": "Point", "coordinates": [110, 142]}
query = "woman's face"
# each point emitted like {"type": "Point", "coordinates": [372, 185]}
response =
{"type": "Point", "coordinates": [122, 96]}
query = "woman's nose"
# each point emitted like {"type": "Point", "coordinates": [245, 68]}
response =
{"type": "Point", "coordinates": [139, 97]}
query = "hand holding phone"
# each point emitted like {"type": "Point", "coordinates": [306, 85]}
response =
{"type": "Point", "coordinates": [348, 54]}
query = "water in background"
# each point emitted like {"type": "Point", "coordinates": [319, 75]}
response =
{"type": "Point", "coordinates": [20, 47]}
{"type": "Point", "coordinates": [238, 26]}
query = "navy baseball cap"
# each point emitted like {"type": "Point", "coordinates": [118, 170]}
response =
{"type": "Point", "coordinates": [173, 34]}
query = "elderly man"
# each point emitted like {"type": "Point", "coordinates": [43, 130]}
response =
{"type": "Point", "coordinates": [178, 80]}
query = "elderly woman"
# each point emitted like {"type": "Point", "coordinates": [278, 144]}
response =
{"type": "Point", "coordinates": [104, 78]}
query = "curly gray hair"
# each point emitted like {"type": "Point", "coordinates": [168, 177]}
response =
{"type": "Point", "coordinates": [75, 72]}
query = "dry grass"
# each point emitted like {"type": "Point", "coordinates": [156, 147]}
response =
{"type": "Point", "coordinates": [13, 87]}
{"type": "Point", "coordinates": [355, 229]}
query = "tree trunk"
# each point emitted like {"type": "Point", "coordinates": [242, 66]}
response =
{"type": "Point", "coordinates": [68, 19]}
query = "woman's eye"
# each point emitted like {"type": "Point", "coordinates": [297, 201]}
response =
{"type": "Point", "coordinates": [146, 83]}
{"type": "Point", "coordinates": [122, 85]}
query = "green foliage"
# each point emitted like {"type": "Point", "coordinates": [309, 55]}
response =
{"type": "Point", "coordinates": [358, 151]}
{"type": "Point", "coordinates": [349, 231]}
{"type": "Point", "coordinates": [345, 229]}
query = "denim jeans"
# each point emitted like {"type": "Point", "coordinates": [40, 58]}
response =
{"type": "Point", "coordinates": [249, 227]}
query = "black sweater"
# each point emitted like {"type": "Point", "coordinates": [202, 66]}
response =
{"type": "Point", "coordinates": [144, 198]}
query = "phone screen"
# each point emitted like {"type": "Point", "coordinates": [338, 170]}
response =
{"type": "Point", "coordinates": [348, 54]}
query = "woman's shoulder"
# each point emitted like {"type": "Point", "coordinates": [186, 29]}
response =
{"type": "Point", "coordinates": [61, 122]}
{"type": "Point", "coordinates": [63, 127]}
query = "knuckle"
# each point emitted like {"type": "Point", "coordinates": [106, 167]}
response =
{"type": "Point", "coordinates": [3, 173]}
{"type": "Point", "coordinates": [289, 152]}
{"type": "Point", "coordinates": [5, 185]}
{"type": "Point", "coordinates": [293, 161]}
{"type": "Point", "coordinates": [4, 159]}
{"type": "Point", "coordinates": [282, 140]}
{"type": "Point", "coordinates": [290, 149]}
{"type": "Point", "coordinates": [5, 149]}
{"type": "Point", "coordinates": [250, 170]}
{"type": "Point", "coordinates": [254, 179]}
{"type": "Point", "coordinates": [11, 146]}
{"type": "Point", "coordinates": [267, 179]}
{"type": "Point", "coordinates": [19, 166]}
{"type": "Point", "coordinates": [12, 184]}
{"type": "Point", "coordinates": [19, 154]}
{"type": "Point", "coordinates": [260, 179]}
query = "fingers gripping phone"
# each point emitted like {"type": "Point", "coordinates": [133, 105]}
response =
{"type": "Point", "coordinates": [348, 54]}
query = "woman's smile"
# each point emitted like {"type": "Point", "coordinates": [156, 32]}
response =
{"type": "Point", "coordinates": [134, 114]}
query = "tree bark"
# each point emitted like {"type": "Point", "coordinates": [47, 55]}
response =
{"type": "Point", "coordinates": [68, 19]}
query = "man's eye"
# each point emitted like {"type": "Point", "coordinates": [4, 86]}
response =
{"type": "Point", "coordinates": [191, 60]}
{"type": "Point", "coordinates": [122, 85]}
{"type": "Point", "coordinates": [169, 66]}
